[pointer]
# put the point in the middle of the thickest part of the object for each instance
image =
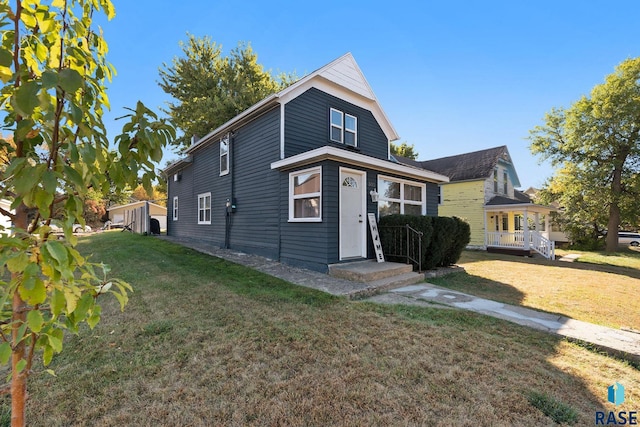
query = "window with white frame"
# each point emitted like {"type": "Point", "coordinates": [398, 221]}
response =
{"type": "Point", "coordinates": [204, 208]}
{"type": "Point", "coordinates": [505, 182]}
{"type": "Point", "coordinates": [398, 196]}
{"type": "Point", "coordinates": [495, 180]}
{"type": "Point", "coordinates": [175, 208]}
{"type": "Point", "coordinates": [305, 195]}
{"type": "Point", "coordinates": [224, 155]}
{"type": "Point", "coordinates": [344, 128]}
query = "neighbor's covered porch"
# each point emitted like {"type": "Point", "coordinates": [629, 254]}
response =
{"type": "Point", "coordinates": [518, 228]}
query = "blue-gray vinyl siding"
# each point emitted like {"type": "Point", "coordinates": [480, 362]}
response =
{"type": "Point", "coordinates": [307, 125]}
{"type": "Point", "coordinates": [260, 223]}
{"type": "Point", "coordinates": [251, 185]}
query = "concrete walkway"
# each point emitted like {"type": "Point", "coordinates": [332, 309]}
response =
{"type": "Point", "coordinates": [624, 343]}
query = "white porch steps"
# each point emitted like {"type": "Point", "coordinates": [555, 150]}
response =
{"type": "Point", "coordinates": [379, 276]}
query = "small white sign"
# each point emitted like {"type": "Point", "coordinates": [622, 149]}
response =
{"type": "Point", "coordinates": [377, 244]}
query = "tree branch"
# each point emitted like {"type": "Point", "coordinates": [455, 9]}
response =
{"type": "Point", "coordinates": [7, 214]}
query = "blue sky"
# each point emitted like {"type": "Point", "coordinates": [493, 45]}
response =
{"type": "Point", "coordinates": [452, 76]}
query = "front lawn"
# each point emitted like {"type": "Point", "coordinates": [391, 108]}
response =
{"type": "Point", "coordinates": [591, 290]}
{"type": "Point", "coordinates": [206, 342]}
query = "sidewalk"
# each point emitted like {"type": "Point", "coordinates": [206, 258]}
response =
{"type": "Point", "coordinates": [624, 343]}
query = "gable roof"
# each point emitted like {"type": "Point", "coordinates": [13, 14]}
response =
{"type": "Point", "coordinates": [519, 198]}
{"type": "Point", "coordinates": [341, 77]}
{"type": "Point", "coordinates": [468, 166]}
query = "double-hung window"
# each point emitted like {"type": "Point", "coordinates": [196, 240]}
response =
{"type": "Point", "coordinates": [344, 128]}
{"type": "Point", "coordinates": [204, 208]}
{"type": "Point", "coordinates": [505, 182]}
{"type": "Point", "coordinates": [224, 155]}
{"type": "Point", "coordinates": [175, 208]}
{"type": "Point", "coordinates": [305, 195]}
{"type": "Point", "coordinates": [398, 196]}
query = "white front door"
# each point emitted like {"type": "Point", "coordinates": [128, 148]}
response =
{"type": "Point", "coordinates": [352, 214]}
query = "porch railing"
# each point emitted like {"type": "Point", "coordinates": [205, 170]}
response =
{"type": "Point", "coordinates": [403, 242]}
{"type": "Point", "coordinates": [537, 242]}
{"type": "Point", "coordinates": [542, 245]}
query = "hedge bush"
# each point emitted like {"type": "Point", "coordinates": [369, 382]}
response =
{"type": "Point", "coordinates": [443, 238]}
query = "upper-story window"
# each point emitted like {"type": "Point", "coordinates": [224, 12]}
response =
{"type": "Point", "coordinates": [505, 181]}
{"type": "Point", "coordinates": [495, 180]}
{"type": "Point", "coordinates": [344, 128]}
{"type": "Point", "coordinates": [224, 155]}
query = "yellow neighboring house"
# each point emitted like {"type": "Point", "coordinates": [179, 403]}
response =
{"type": "Point", "coordinates": [482, 191]}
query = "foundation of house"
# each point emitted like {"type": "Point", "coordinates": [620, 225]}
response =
{"type": "Point", "coordinates": [510, 251]}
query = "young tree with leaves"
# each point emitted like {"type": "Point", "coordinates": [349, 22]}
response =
{"type": "Point", "coordinates": [210, 88]}
{"type": "Point", "coordinates": [53, 67]}
{"type": "Point", "coordinates": [599, 138]}
{"type": "Point", "coordinates": [404, 150]}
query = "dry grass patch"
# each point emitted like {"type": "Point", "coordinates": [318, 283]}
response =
{"type": "Point", "coordinates": [205, 342]}
{"type": "Point", "coordinates": [602, 294]}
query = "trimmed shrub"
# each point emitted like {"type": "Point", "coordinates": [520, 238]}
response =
{"type": "Point", "coordinates": [443, 229]}
{"type": "Point", "coordinates": [460, 239]}
{"type": "Point", "coordinates": [443, 238]}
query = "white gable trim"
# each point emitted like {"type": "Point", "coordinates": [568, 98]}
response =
{"type": "Point", "coordinates": [341, 78]}
{"type": "Point", "coordinates": [356, 159]}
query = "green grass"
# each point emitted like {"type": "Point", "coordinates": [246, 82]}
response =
{"type": "Point", "coordinates": [553, 408]}
{"type": "Point", "coordinates": [207, 342]}
{"type": "Point", "coordinates": [601, 294]}
{"type": "Point", "coordinates": [626, 257]}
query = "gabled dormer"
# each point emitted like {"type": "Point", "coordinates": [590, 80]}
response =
{"type": "Point", "coordinates": [504, 178]}
{"type": "Point", "coordinates": [334, 106]}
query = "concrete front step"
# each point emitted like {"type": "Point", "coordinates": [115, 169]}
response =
{"type": "Point", "coordinates": [382, 285]}
{"type": "Point", "coordinates": [368, 271]}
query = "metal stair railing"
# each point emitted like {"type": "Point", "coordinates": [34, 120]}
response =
{"type": "Point", "coordinates": [404, 242]}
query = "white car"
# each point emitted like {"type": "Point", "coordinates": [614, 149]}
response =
{"type": "Point", "coordinates": [78, 228]}
{"type": "Point", "coordinates": [629, 238]}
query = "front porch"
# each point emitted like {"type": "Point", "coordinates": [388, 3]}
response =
{"type": "Point", "coordinates": [519, 229]}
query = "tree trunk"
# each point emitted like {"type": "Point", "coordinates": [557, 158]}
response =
{"type": "Point", "coordinates": [18, 380]}
{"type": "Point", "coordinates": [614, 209]}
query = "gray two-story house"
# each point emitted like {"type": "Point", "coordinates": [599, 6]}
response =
{"type": "Point", "coordinates": [294, 177]}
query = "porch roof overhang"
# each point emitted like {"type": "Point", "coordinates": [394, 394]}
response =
{"type": "Point", "coordinates": [529, 207]}
{"type": "Point", "coordinates": [357, 159]}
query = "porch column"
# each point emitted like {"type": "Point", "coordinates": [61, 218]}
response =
{"type": "Point", "coordinates": [525, 219]}
{"type": "Point", "coordinates": [547, 225]}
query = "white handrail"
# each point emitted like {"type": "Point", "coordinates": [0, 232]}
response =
{"type": "Point", "coordinates": [537, 242]}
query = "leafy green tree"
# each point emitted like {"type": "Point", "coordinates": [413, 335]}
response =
{"type": "Point", "coordinates": [209, 88]}
{"type": "Point", "coordinates": [53, 67]}
{"type": "Point", "coordinates": [598, 140]}
{"type": "Point", "coordinates": [404, 150]}
{"type": "Point", "coordinates": [581, 216]}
